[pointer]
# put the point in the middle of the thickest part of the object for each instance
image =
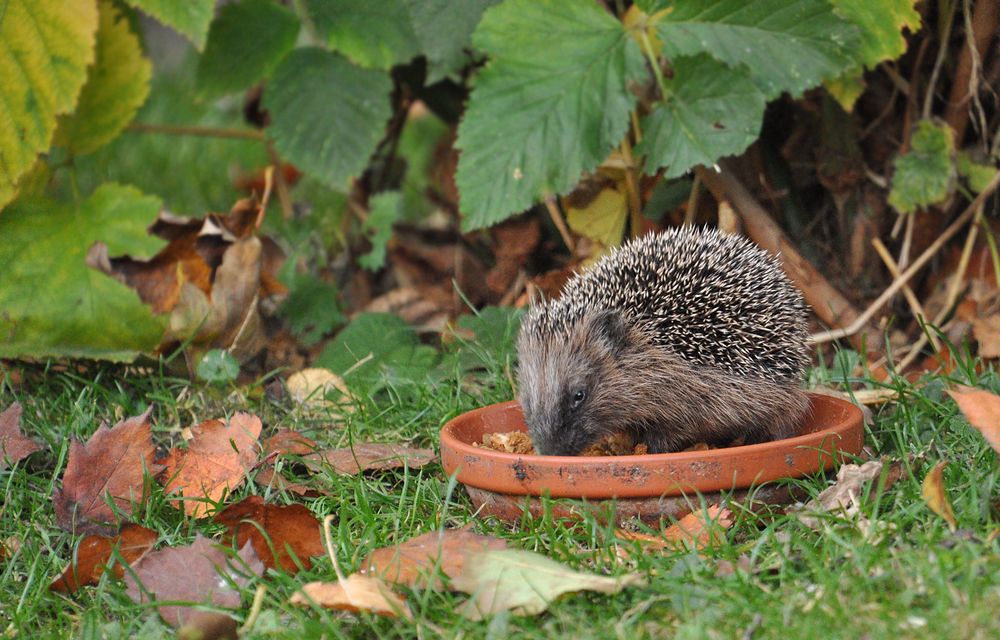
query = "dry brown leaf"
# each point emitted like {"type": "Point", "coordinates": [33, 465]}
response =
{"type": "Point", "coordinates": [844, 494]}
{"type": "Point", "coordinates": [987, 333]}
{"type": "Point", "coordinates": [111, 463]}
{"type": "Point", "coordinates": [982, 409]}
{"type": "Point", "coordinates": [365, 456]}
{"type": "Point", "coordinates": [14, 445]}
{"type": "Point", "coordinates": [411, 563]}
{"type": "Point", "coordinates": [216, 461]}
{"type": "Point", "coordinates": [355, 593]}
{"type": "Point", "coordinates": [935, 495]}
{"type": "Point", "coordinates": [93, 553]}
{"type": "Point", "coordinates": [200, 572]}
{"type": "Point", "coordinates": [698, 529]}
{"type": "Point", "coordinates": [268, 477]}
{"type": "Point", "coordinates": [319, 388]}
{"type": "Point", "coordinates": [291, 529]}
{"type": "Point", "coordinates": [287, 443]}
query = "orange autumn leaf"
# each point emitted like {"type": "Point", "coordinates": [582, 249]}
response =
{"type": "Point", "coordinates": [935, 495]}
{"type": "Point", "coordinates": [982, 409]}
{"type": "Point", "coordinates": [354, 593]}
{"type": "Point", "coordinates": [366, 456]}
{"type": "Point", "coordinates": [94, 552]}
{"type": "Point", "coordinates": [292, 528]}
{"type": "Point", "coordinates": [216, 461]}
{"type": "Point", "coordinates": [13, 444]}
{"type": "Point", "coordinates": [698, 529]}
{"type": "Point", "coordinates": [112, 463]}
{"type": "Point", "coordinates": [410, 562]}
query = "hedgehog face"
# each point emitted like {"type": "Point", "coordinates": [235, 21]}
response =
{"type": "Point", "coordinates": [560, 381]}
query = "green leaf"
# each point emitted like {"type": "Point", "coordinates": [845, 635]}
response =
{"type": "Point", "coordinates": [525, 583]}
{"type": "Point", "coordinates": [444, 29]}
{"type": "Point", "coordinates": [190, 18]}
{"type": "Point", "coordinates": [711, 111]}
{"type": "Point", "coordinates": [372, 33]}
{"type": "Point", "coordinates": [552, 103]}
{"type": "Point", "coordinates": [924, 175]}
{"type": "Point", "coordinates": [788, 45]}
{"type": "Point", "coordinates": [385, 210]}
{"type": "Point", "coordinates": [45, 47]}
{"type": "Point", "coordinates": [327, 115]}
{"type": "Point", "coordinates": [881, 38]}
{"type": "Point", "coordinates": [978, 175]}
{"type": "Point", "coordinates": [117, 85]}
{"type": "Point", "coordinates": [880, 24]}
{"type": "Point", "coordinates": [374, 344]}
{"type": "Point", "coordinates": [245, 42]}
{"type": "Point", "coordinates": [218, 366]}
{"type": "Point", "coordinates": [53, 303]}
{"type": "Point", "coordinates": [311, 308]}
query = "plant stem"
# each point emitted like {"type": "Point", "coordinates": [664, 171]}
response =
{"type": "Point", "coordinates": [191, 130]}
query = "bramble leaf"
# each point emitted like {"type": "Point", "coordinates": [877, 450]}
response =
{"type": "Point", "coordinates": [924, 175]}
{"type": "Point", "coordinates": [385, 210]}
{"type": "Point", "coordinates": [444, 29]}
{"type": "Point", "coordinates": [327, 115]}
{"type": "Point", "coordinates": [371, 34]}
{"type": "Point", "coordinates": [190, 18]}
{"type": "Point", "coordinates": [53, 303]}
{"type": "Point", "coordinates": [711, 111]}
{"type": "Point", "coordinates": [551, 103]}
{"type": "Point", "coordinates": [45, 47]}
{"type": "Point", "coordinates": [117, 85]}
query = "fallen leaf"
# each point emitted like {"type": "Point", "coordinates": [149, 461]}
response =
{"type": "Point", "coordinates": [111, 463]}
{"type": "Point", "coordinates": [412, 562]}
{"type": "Point", "coordinates": [215, 462]}
{"type": "Point", "coordinates": [92, 555]}
{"type": "Point", "coordinates": [525, 583]}
{"type": "Point", "coordinates": [987, 333]}
{"type": "Point", "coordinates": [286, 442]}
{"type": "Point", "coordinates": [844, 493]}
{"type": "Point", "coordinates": [14, 445]}
{"type": "Point", "coordinates": [314, 387]}
{"type": "Point", "coordinates": [982, 410]}
{"type": "Point", "coordinates": [199, 572]}
{"type": "Point", "coordinates": [268, 477]}
{"type": "Point", "coordinates": [698, 529]}
{"type": "Point", "coordinates": [208, 625]}
{"type": "Point", "coordinates": [365, 456]}
{"type": "Point", "coordinates": [291, 529]}
{"type": "Point", "coordinates": [355, 593]}
{"type": "Point", "coordinates": [935, 495]}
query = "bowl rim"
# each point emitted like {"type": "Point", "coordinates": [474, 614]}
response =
{"type": "Point", "coordinates": [844, 436]}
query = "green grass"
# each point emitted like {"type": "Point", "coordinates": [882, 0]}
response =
{"type": "Point", "coordinates": [912, 578]}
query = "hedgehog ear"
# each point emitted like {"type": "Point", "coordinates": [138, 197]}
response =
{"type": "Point", "coordinates": [609, 327]}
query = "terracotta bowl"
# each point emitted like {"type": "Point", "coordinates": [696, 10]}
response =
{"type": "Point", "coordinates": [648, 486]}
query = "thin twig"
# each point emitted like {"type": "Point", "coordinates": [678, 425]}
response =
{"type": "Point", "coordinates": [942, 52]}
{"type": "Point", "coordinates": [560, 222]}
{"type": "Point", "coordinates": [284, 197]}
{"type": "Point", "coordinates": [632, 187]}
{"type": "Point", "coordinates": [692, 204]}
{"type": "Point", "coordinates": [911, 299]}
{"type": "Point", "coordinates": [207, 132]}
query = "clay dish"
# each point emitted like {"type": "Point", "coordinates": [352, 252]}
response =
{"type": "Point", "coordinates": [644, 485]}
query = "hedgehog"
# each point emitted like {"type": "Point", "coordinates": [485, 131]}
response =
{"type": "Point", "coordinates": [676, 338]}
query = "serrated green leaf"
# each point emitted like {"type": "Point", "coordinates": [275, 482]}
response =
{"type": "Point", "coordinates": [327, 115]}
{"type": "Point", "coordinates": [53, 303]}
{"type": "Point", "coordinates": [444, 29]}
{"type": "Point", "coordinates": [924, 175]}
{"type": "Point", "coordinates": [45, 47]}
{"type": "Point", "coordinates": [788, 45]}
{"type": "Point", "coordinates": [552, 103]}
{"type": "Point", "coordinates": [880, 24]}
{"type": "Point", "coordinates": [384, 211]}
{"type": "Point", "coordinates": [977, 174]}
{"type": "Point", "coordinates": [711, 111]}
{"type": "Point", "coordinates": [374, 344]}
{"type": "Point", "coordinates": [190, 18]}
{"type": "Point", "coordinates": [117, 85]}
{"type": "Point", "coordinates": [525, 583]}
{"type": "Point", "coordinates": [312, 307]}
{"type": "Point", "coordinates": [376, 34]}
{"type": "Point", "coordinates": [245, 43]}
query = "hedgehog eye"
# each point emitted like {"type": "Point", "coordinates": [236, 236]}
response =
{"type": "Point", "coordinates": [578, 398]}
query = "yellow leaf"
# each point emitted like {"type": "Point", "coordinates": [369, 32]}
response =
{"type": "Point", "coordinates": [46, 47]}
{"type": "Point", "coordinates": [982, 410]}
{"type": "Point", "coordinates": [935, 496]}
{"type": "Point", "coordinates": [355, 593]}
{"type": "Point", "coordinates": [117, 85]}
{"type": "Point", "coordinates": [602, 220]}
